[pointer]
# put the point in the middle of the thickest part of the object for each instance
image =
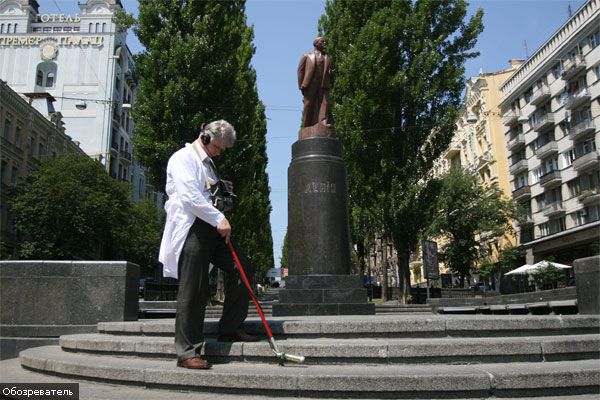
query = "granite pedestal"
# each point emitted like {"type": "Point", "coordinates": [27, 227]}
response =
{"type": "Point", "coordinates": [41, 300]}
{"type": "Point", "coordinates": [320, 280]}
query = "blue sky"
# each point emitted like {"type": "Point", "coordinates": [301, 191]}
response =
{"type": "Point", "coordinates": [284, 29]}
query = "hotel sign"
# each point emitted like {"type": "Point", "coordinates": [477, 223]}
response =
{"type": "Point", "coordinates": [58, 18]}
{"type": "Point", "coordinates": [94, 41]}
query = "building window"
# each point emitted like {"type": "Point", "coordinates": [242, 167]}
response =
{"type": "Point", "coordinates": [568, 157]}
{"type": "Point", "coordinates": [15, 172]}
{"type": "Point", "coordinates": [521, 180]}
{"type": "Point", "coordinates": [6, 133]}
{"type": "Point", "coordinates": [97, 26]}
{"type": "Point", "coordinates": [47, 70]}
{"type": "Point", "coordinates": [594, 39]}
{"type": "Point", "coordinates": [8, 28]}
{"type": "Point", "coordinates": [18, 137]}
{"type": "Point", "coordinates": [540, 201]}
{"type": "Point", "coordinates": [75, 29]}
{"type": "Point", "coordinates": [2, 28]}
{"type": "Point", "coordinates": [3, 172]}
{"type": "Point", "coordinates": [47, 29]}
{"type": "Point", "coordinates": [40, 150]}
{"type": "Point", "coordinates": [31, 146]}
{"type": "Point", "coordinates": [57, 29]}
{"type": "Point", "coordinates": [104, 27]}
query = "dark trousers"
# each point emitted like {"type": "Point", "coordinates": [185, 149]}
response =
{"type": "Point", "coordinates": [203, 246]}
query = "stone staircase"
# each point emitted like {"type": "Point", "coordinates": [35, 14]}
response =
{"type": "Point", "coordinates": [381, 356]}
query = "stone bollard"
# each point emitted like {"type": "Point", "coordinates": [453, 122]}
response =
{"type": "Point", "coordinates": [587, 281]}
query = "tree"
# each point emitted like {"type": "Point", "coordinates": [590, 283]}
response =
{"type": "Point", "coordinates": [469, 214]}
{"type": "Point", "coordinates": [284, 252]}
{"type": "Point", "coordinates": [141, 246]}
{"type": "Point", "coordinates": [399, 82]}
{"type": "Point", "coordinates": [71, 209]}
{"type": "Point", "coordinates": [195, 69]}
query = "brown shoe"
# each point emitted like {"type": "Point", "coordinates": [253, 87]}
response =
{"type": "Point", "coordinates": [239, 336]}
{"type": "Point", "coordinates": [194, 363]}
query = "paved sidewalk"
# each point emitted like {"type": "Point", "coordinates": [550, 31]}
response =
{"type": "Point", "coordinates": [11, 372]}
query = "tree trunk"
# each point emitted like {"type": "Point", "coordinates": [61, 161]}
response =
{"type": "Point", "coordinates": [384, 269]}
{"type": "Point", "coordinates": [403, 260]}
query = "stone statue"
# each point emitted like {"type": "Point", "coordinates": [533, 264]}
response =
{"type": "Point", "coordinates": [315, 71]}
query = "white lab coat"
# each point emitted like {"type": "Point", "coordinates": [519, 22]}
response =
{"type": "Point", "coordinates": [188, 199]}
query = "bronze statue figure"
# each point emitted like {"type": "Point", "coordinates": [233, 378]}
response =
{"type": "Point", "coordinates": [315, 71]}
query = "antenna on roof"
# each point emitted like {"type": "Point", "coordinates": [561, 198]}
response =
{"type": "Point", "coordinates": [570, 10]}
{"type": "Point", "coordinates": [526, 51]}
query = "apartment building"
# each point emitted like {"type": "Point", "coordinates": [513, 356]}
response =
{"type": "Point", "coordinates": [551, 113]}
{"type": "Point", "coordinates": [478, 144]}
{"type": "Point", "coordinates": [83, 62]}
{"type": "Point", "coordinates": [28, 137]}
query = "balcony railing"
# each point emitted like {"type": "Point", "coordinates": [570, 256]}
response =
{"type": "Point", "coordinates": [125, 155]}
{"type": "Point", "coordinates": [540, 95]}
{"type": "Point", "coordinates": [586, 161]}
{"type": "Point", "coordinates": [553, 209]}
{"type": "Point", "coordinates": [576, 66]}
{"type": "Point", "coordinates": [590, 196]}
{"type": "Point", "coordinates": [522, 192]}
{"type": "Point", "coordinates": [452, 151]}
{"type": "Point", "coordinates": [577, 99]}
{"type": "Point", "coordinates": [551, 178]}
{"type": "Point", "coordinates": [546, 150]}
{"type": "Point", "coordinates": [511, 117]}
{"type": "Point", "coordinates": [581, 129]}
{"type": "Point", "coordinates": [518, 167]}
{"type": "Point", "coordinates": [516, 141]}
{"type": "Point", "coordinates": [543, 122]}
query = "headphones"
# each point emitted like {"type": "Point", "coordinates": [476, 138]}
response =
{"type": "Point", "coordinates": [205, 138]}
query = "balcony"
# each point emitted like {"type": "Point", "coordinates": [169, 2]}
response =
{"type": "Point", "coordinates": [553, 209]}
{"type": "Point", "coordinates": [516, 142]}
{"type": "Point", "coordinates": [586, 161]}
{"type": "Point", "coordinates": [577, 65]}
{"type": "Point", "coordinates": [519, 166]}
{"type": "Point", "coordinates": [575, 100]}
{"type": "Point", "coordinates": [551, 178]}
{"type": "Point", "coordinates": [527, 220]}
{"type": "Point", "coordinates": [114, 148]}
{"type": "Point", "coordinates": [510, 118]}
{"type": "Point", "coordinates": [452, 151]}
{"type": "Point", "coordinates": [540, 95]}
{"type": "Point", "coordinates": [581, 129]}
{"type": "Point", "coordinates": [543, 122]}
{"type": "Point", "coordinates": [524, 192]}
{"type": "Point", "coordinates": [126, 156]}
{"type": "Point", "coordinates": [485, 159]}
{"type": "Point", "coordinates": [590, 197]}
{"type": "Point", "coordinates": [546, 150]}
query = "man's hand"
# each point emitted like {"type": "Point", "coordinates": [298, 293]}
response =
{"type": "Point", "coordinates": [224, 229]}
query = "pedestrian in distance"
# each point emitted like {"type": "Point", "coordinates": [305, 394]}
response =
{"type": "Point", "coordinates": [196, 237]}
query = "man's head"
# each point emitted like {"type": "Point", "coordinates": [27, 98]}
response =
{"type": "Point", "coordinates": [217, 136]}
{"type": "Point", "coordinates": [319, 43]}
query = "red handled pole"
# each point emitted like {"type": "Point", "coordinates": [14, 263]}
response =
{"type": "Point", "coordinates": [281, 355]}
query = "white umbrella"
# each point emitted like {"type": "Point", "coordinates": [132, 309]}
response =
{"type": "Point", "coordinates": [544, 264]}
{"type": "Point", "coordinates": [523, 269]}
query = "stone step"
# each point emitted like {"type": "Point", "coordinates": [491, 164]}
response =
{"type": "Point", "coordinates": [356, 351]}
{"type": "Point", "coordinates": [325, 381]}
{"type": "Point", "coordinates": [385, 325]}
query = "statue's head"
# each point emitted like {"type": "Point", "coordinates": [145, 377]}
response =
{"type": "Point", "coordinates": [319, 43]}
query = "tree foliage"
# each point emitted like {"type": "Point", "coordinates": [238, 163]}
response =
{"type": "Point", "coordinates": [196, 69]}
{"type": "Point", "coordinates": [399, 81]}
{"type": "Point", "coordinates": [469, 215]}
{"type": "Point", "coordinates": [71, 209]}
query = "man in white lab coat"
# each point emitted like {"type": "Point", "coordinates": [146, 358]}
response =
{"type": "Point", "coordinates": [195, 236]}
